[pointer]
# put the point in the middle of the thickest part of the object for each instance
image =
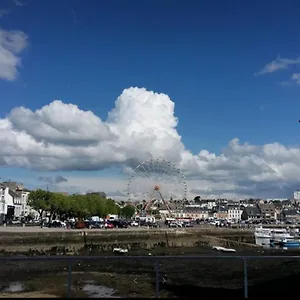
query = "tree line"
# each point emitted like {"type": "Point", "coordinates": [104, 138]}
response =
{"type": "Point", "coordinates": [80, 206]}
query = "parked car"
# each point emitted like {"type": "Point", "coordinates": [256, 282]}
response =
{"type": "Point", "coordinates": [97, 225]}
{"type": "Point", "coordinates": [109, 225]}
{"type": "Point", "coordinates": [134, 223]}
{"type": "Point", "coordinates": [93, 224]}
{"type": "Point", "coordinates": [188, 224]}
{"type": "Point", "coordinates": [56, 224]}
{"type": "Point", "coordinates": [80, 225]}
{"type": "Point", "coordinates": [153, 225]}
{"type": "Point", "coordinates": [119, 223]}
{"type": "Point", "coordinates": [16, 221]}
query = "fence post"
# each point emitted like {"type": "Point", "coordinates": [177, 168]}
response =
{"type": "Point", "coordinates": [245, 279]}
{"type": "Point", "coordinates": [157, 279]}
{"type": "Point", "coordinates": [69, 280]}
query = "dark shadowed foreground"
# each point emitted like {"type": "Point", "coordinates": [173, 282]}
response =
{"type": "Point", "coordinates": [178, 278]}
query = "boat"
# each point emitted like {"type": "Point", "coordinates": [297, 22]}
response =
{"type": "Point", "coordinates": [289, 243]}
{"type": "Point", "coordinates": [223, 249]}
{"type": "Point", "coordinates": [120, 250]}
{"type": "Point", "coordinates": [262, 233]}
{"type": "Point", "coordinates": [274, 242]}
{"type": "Point", "coordinates": [272, 233]}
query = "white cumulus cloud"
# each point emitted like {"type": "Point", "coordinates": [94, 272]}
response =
{"type": "Point", "coordinates": [12, 43]}
{"type": "Point", "coordinates": [61, 136]}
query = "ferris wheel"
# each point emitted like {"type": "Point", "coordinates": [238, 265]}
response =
{"type": "Point", "coordinates": [158, 183]}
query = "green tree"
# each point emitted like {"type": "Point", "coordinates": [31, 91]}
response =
{"type": "Point", "coordinates": [100, 206]}
{"type": "Point", "coordinates": [40, 200]}
{"type": "Point", "coordinates": [60, 205]}
{"type": "Point", "coordinates": [128, 211]}
{"type": "Point", "coordinates": [197, 199]}
{"type": "Point", "coordinates": [81, 206]}
{"type": "Point", "coordinates": [277, 203]}
{"type": "Point", "coordinates": [101, 209]}
{"type": "Point", "coordinates": [112, 207]}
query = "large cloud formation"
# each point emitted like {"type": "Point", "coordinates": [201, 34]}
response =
{"type": "Point", "coordinates": [142, 126]}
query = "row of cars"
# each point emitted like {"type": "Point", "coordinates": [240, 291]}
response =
{"type": "Point", "coordinates": [80, 224]}
{"type": "Point", "coordinates": [119, 223]}
{"type": "Point", "coordinates": [93, 222]}
{"type": "Point", "coordinates": [180, 224]}
{"type": "Point", "coordinates": [99, 224]}
{"type": "Point", "coordinates": [18, 221]}
{"type": "Point", "coordinates": [215, 222]}
{"type": "Point", "coordinates": [107, 225]}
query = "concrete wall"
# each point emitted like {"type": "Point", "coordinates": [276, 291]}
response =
{"type": "Point", "coordinates": [143, 239]}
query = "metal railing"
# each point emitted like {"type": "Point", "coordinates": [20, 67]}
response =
{"type": "Point", "coordinates": [156, 259]}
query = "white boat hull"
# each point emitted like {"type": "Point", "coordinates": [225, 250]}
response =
{"type": "Point", "coordinates": [265, 233]}
{"type": "Point", "coordinates": [223, 249]}
{"type": "Point", "coordinates": [262, 235]}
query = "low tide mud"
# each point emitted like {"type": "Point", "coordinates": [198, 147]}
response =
{"type": "Point", "coordinates": [121, 277]}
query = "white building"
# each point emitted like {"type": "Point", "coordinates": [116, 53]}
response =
{"type": "Point", "coordinates": [207, 203]}
{"type": "Point", "coordinates": [6, 203]}
{"type": "Point", "coordinates": [22, 208]}
{"type": "Point", "coordinates": [192, 212]}
{"type": "Point", "coordinates": [297, 196]}
{"type": "Point", "coordinates": [280, 199]}
{"type": "Point", "coordinates": [234, 212]}
{"type": "Point", "coordinates": [25, 209]}
{"type": "Point", "coordinates": [14, 201]}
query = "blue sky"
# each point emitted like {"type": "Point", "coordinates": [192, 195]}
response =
{"type": "Point", "coordinates": [203, 54]}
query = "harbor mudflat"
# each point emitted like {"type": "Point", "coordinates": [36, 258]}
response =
{"type": "Point", "coordinates": [178, 277]}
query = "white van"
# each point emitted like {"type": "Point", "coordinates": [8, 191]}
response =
{"type": "Point", "coordinates": [113, 217]}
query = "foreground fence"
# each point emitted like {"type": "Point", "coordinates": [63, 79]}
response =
{"type": "Point", "coordinates": [157, 260]}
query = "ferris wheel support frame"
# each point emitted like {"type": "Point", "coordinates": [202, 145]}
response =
{"type": "Point", "coordinates": [147, 204]}
{"type": "Point", "coordinates": [165, 203]}
{"type": "Point", "coordinates": [144, 167]}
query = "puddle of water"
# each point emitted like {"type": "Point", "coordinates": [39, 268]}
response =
{"type": "Point", "coordinates": [98, 291]}
{"type": "Point", "coordinates": [14, 287]}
